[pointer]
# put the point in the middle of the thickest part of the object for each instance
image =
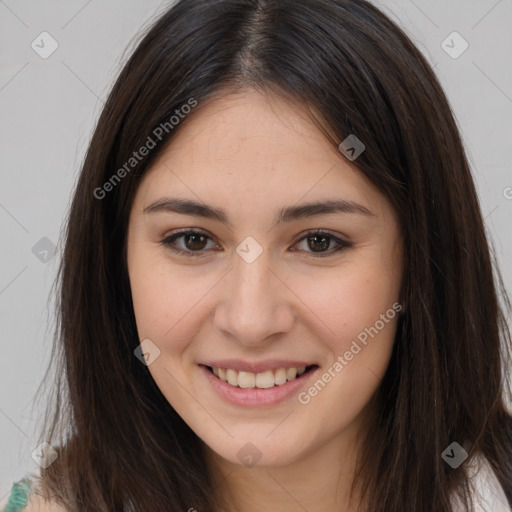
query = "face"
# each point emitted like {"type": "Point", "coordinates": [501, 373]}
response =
{"type": "Point", "coordinates": [301, 323]}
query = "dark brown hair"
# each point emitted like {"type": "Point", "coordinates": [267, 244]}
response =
{"type": "Point", "coordinates": [121, 445]}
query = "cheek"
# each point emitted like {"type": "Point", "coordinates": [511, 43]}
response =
{"type": "Point", "coordinates": [349, 299]}
{"type": "Point", "coordinates": [166, 303]}
{"type": "Point", "coordinates": [171, 303]}
{"type": "Point", "coordinates": [356, 323]}
{"type": "Point", "coordinates": [355, 316]}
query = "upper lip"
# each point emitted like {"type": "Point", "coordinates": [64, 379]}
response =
{"type": "Point", "coordinates": [256, 367]}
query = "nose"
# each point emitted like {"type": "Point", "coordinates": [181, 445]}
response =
{"type": "Point", "coordinates": [255, 303]}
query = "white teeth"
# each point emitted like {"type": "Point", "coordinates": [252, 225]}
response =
{"type": "Point", "coordinates": [291, 373]}
{"type": "Point", "coordinates": [280, 376]}
{"type": "Point", "coordinates": [246, 379]}
{"type": "Point", "coordinates": [263, 380]}
{"type": "Point", "coordinates": [232, 376]}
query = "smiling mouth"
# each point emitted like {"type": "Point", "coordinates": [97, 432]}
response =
{"type": "Point", "coordinates": [264, 380]}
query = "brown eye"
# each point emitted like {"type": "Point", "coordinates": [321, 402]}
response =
{"type": "Point", "coordinates": [318, 243]}
{"type": "Point", "coordinates": [194, 243]}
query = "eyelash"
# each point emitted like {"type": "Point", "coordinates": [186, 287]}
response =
{"type": "Point", "coordinates": [168, 242]}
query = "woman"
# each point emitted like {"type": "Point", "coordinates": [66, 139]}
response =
{"type": "Point", "coordinates": [277, 292]}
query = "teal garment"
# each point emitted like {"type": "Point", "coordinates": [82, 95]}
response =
{"type": "Point", "coordinates": [19, 497]}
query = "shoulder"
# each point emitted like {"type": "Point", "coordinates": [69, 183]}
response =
{"type": "Point", "coordinates": [38, 504]}
{"type": "Point", "coordinates": [25, 496]}
{"type": "Point", "coordinates": [486, 491]}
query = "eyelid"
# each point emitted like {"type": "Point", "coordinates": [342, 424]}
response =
{"type": "Point", "coordinates": [167, 241]}
{"type": "Point", "coordinates": [341, 244]}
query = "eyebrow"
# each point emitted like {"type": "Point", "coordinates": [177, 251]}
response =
{"type": "Point", "coordinates": [285, 214]}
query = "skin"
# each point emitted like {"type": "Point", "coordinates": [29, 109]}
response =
{"type": "Point", "coordinates": [251, 154]}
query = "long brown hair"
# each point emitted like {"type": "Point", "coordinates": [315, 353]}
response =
{"type": "Point", "coordinates": [121, 445]}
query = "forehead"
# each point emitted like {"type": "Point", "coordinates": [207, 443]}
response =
{"type": "Point", "coordinates": [252, 121]}
{"type": "Point", "coordinates": [257, 149]}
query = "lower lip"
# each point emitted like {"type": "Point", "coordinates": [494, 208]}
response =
{"type": "Point", "coordinates": [255, 396]}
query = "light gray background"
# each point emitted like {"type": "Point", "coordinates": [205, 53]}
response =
{"type": "Point", "coordinates": [49, 107]}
